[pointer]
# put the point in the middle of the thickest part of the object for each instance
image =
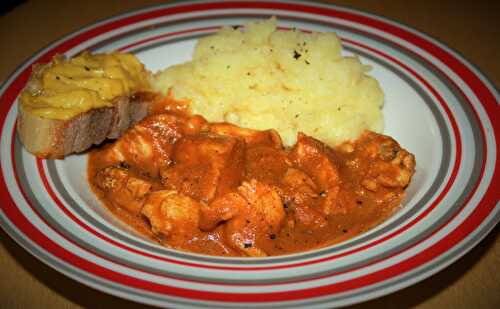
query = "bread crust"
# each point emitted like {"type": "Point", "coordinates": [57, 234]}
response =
{"type": "Point", "coordinates": [55, 139]}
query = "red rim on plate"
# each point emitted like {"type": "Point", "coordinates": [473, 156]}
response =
{"type": "Point", "coordinates": [448, 110]}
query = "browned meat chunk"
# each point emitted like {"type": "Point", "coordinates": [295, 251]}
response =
{"type": "Point", "coordinates": [266, 164]}
{"type": "Point", "coordinates": [148, 145]}
{"type": "Point", "coordinates": [314, 158]}
{"type": "Point", "coordinates": [251, 137]}
{"type": "Point", "coordinates": [252, 215]}
{"type": "Point", "coordinates": [299, 192]}
{"type": "Point", "coordinates": [172, 216]}
{"type": "Point", "coordinates": [198, 162]}
{"type": "Point", "coordinates": [390, 165]}
{"type": "Point", "coordinates": [123, 188]}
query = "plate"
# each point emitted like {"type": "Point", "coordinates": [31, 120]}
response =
{"type": "Point", "coordinates": [437, 105]}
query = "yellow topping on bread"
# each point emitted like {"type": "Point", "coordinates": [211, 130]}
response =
{"type": "Point", "coordinates": [68, 87]}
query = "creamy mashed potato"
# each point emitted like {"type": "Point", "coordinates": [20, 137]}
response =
{"type": "Point", "coordinates": [259, 77]}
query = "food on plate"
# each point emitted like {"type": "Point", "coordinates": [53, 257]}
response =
{"type": "Point", "coordinates": [219, 189]}
{"type": "Point", "coordinates": [262, 78]}
{"type": "Point", "coordinates": [258, 78]}
{"type": "Point", "coordinates": [266, 143]}
{"type": "Point", "coordinates": [70, 104]}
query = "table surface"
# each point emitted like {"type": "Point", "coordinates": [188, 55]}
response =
{"type": "Point", "coordinates": [472, 28]}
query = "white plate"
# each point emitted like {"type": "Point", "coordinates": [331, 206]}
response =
{"type": "Point", "coordinates": [437, 105]}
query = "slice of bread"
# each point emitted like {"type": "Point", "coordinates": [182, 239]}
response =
{"type": "Point", "coordinates": [70, 104]}
{"type": "Point", "coordinates": [54, 139]}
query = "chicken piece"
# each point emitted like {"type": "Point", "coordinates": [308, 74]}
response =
{"type": "Point", "coordinates": [265, 159]}
{"type": "Point", "coordinates": [124, 189]}
{"type": "Point", "coordinates": [299, 193]}
{"type": "Point", "coordinates": [221, 209]}
{"type": "Point", "coordinates": [251, 216]}
{"type": "Point", "coordinates": [298, 187]}
{"type": "Point", "coordinates": [265, 164]}
{"type": "Point", "coordinates": [147, 145]}
{"type": "Point", "coordinates": [194, 125]}
{"type": "Point", "coordinates": [263, 217]}
{"type": "Point", "coordinates": [173, 216]}
{"type": "Point", "coordinates": [251, 137]}
{"type": "Point", "coordinates": [308, 217]}
{"type": "Point", "coordinates": [198, 162]}
{"type": "Point", "coordinates": [390, 166]}
{"type": "Point", "coordinates": [314, 158]}
{"type": "Point", "coordinates": [233, 172]}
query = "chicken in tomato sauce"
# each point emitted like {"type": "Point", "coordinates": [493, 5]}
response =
{"type": "Point", "coordinates": [219, 189]}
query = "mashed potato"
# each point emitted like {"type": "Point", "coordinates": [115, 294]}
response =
{"type": "Point", "coordinates": [259, 77]}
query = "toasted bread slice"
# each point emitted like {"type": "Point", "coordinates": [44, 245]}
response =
{"type": "Point", "coordinates": [53, 138]}
{"type": "Point", "coordinates": [71, 104]}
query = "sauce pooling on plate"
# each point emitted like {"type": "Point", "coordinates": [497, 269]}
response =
{"type": "Point", "coordinates": [218, 189]}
